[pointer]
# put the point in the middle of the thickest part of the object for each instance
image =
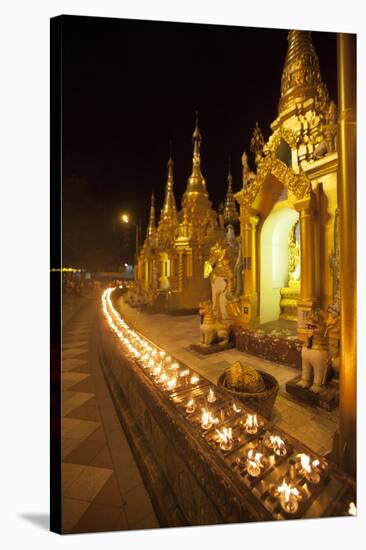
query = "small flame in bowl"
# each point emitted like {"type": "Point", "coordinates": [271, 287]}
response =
{"type": "Point", "coordinates": [308, 468]}
{"type": "Point", "coordinates": [191, 406]}
{"type": "Point", "coordinates": [236, 408]}
{"type": "Point", "coordinates": [254, 463]}
{"type": "Point", "coordinates": [251, 424]}
{"type": "Point", "coordinates": [352, 510]}
{"type": "Point", "coordinates": [207, 419]}
{"type": "Point", "coordinates": [211, 398]}
{"type": "Point", "coordinates": [289, 497]}
{"type": "Point", "coordinates": [225, 437]}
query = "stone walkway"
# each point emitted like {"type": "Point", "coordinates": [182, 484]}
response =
{"type": "Point", "coordinates": [311, 425]}
{"type": "Point", "coordinates": [101, 485]}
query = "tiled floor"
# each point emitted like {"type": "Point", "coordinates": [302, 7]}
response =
{"type": "Point", "coordinates": [101, 484]}
{"type": "Point", "coordinates": [313, 426]}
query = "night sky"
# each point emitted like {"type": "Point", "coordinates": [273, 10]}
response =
{"type": "Point", "coordinates": [131, 86]}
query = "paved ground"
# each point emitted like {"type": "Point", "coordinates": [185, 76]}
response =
{"type": "Point", "coordinates": [102, 486]}
{"type": "Point", "coordinates": [311, 425]}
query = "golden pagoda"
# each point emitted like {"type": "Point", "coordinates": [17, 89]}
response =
{"type": "Point", "coordinates": [230, 210]}
{"type": "Point", "coordinates": [287, 211]}
{"type": "Point", "coordinates": [171, 262]}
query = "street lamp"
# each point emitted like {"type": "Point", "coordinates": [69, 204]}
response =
{"type": "Point", "coordinates": [126, 219]}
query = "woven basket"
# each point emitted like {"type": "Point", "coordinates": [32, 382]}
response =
{"type": "Point", "coordinates": [261, 402]}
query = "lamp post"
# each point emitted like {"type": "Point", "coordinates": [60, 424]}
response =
{"type": "Point", "coordinates": [126, 219]}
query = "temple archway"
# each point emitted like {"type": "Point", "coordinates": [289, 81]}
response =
{"type": "Point", "coordinates": [274, 261]}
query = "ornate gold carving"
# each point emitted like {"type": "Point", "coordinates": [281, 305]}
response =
{"type": "Point", "coordinates": [257, 143]}
{"type": "Point", "coordinates": [301, 78]}
{"type": "Point", "coordinates": [291, 138]}
{"type": "Point", "coordinates": [293, 255]}
{"type": "Point", "coordinates": [298, 184]}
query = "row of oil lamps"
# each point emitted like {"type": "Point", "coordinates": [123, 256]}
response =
{"type": "Point", "coordinates": [169, 375]}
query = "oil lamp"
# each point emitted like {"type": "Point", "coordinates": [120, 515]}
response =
{"type": "Point", "coordinates": [277, 444]}
{"type": "Point", "coordinates": [289, 497]}
{"type": "Point", "coordinates": [184, 373]}
{"type": "Point", "coordinates": [352, 510]}
{"type": "Point", "coordinates": [163, 378]}
{"type": "Point", "coordinates": [157, 370]}
{"type": "Point", "coordinates": [207, 420]}
{"type": "Point", "coordinates": [191, 406]}
{"type": "Point", "coordinates": [251, 424]}
{"type": "Point", "coordinates": [211, 398]}
{"type": "Point", "coordinates": [225, 438]}
{"type": "Point", "coordinates": [171, 383]}
{"type": "Point", "coordinates": [309, 469]}
{"type": "Point", "coordinates": [254, 463]}
{"type": "Point", "coordinates": [174, 366]}
{"type": "Point", "coordinates": [236, 408]}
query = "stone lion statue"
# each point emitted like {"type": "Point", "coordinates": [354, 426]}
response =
{"type": "Point", "coordinates": [211, 331]}
{"type": "Point", "coordinates": [315, 354]}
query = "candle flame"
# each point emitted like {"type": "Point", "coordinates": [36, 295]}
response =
{"type": "Point", "coordinates": [251, 423]}
{"type": "Point", "coordinates": [305, 462]}
{"type": "Point", "coordinates": [287, 491]}
{"type": "Point", "coordinates": [207, 419]}
{"type": "Point", "coordinates": [211, 396]}
{"type": "Point", "coordinates": [171, 383]}
{"type": "Point", "coordinates": [226, 435]}
{"type": "Point", "coordinates": [352, 510]}
{"type": "Point", "coordinates": [184, 373]}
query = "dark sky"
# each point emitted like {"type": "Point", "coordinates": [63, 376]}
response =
{"type": "Point", "coordinates": [131, 86]}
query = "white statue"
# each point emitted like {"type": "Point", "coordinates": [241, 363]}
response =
{"type": "Point", "coordinates": [315, 354]}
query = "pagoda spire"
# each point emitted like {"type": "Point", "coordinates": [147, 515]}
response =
{"type": "Point", "coordinates": [151, 230]}
{"type": "Point", "coordinates": [301, 78]}
{"type": "Point", "coordinates": [168, 216]}
{"type": "Point", "coordinates": [230, 212]}
{"type": "Point", "coordinates": [196, 182]}
{"type": "Point", "coordinates": [169, 209]}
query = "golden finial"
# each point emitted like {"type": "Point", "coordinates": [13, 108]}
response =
{"type": "Point", "coordinates": [301, 78]}
{"type": "Point", "coordinates": [230, 211]}
{"type": "Point", "coordinates": [257, 143]}
{"type": "Point", "coordinates": [169, 209]}
{"type": "Point", "coordinates": [152, 227]}
{"type": "Point", "coordinates": [196, 182]}
{"type": "Point", "coordinates": [246, 168]}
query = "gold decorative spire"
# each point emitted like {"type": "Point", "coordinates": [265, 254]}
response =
{"type": "Point", "coordinates": [301, 78]}
{"type": "Point", "coordinates": [168, 216]}
{"type": "Point", "coordinates": [230, 211]}
{"type": "Point", "coordinates": [151, 230]}
{"type": "Point", "coordinates": [169, 209]}
{"type": "Point", "coordinates": [196, 182]}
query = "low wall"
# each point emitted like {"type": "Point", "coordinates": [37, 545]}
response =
{"type": "Point", "coordinates": [190, 481]}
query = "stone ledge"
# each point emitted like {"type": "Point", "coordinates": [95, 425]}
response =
{"type": "Point", "coordinates": [327, 399]}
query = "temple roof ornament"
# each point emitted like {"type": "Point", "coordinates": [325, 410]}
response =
{"type": "Point", "coordinates": [168, 216]}
{"type": "Point", "coordinates": [230, 211]}
{"type": "Point", "coordinates": [196, 182]}
{"type": "Point", "coordinates": [151, 230]}
{"type": "Point", "coordinates": [301, 78]}
{"type": "Point", "coordinates": [169, 210]}
{"type": "Point", "coordinates": [246, 169]}
{"type": "Point", "coordinates": [257, 143]}
{"type": "Point", "coordinates": [299, 184]}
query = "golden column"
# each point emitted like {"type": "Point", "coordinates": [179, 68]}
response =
{"type": "Point", "coordinates": [347, 210]}
{"type": "Point", "coordinates": [308, 297]}
{"type": "Point", "coordinates": [248, 223]}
